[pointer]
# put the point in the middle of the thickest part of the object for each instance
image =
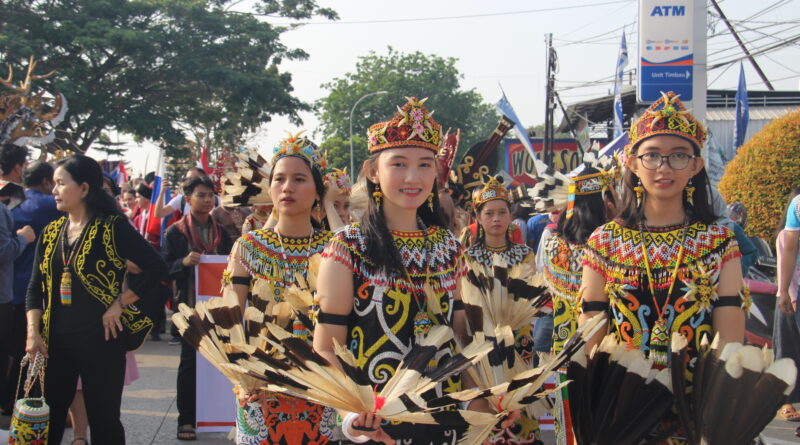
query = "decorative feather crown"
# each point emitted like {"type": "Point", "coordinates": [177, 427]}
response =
{"type": "Point", "coordinates": [667, 116]}
{"type": "Point", "coordinates": [412, 126]}
{"type": "Point", "coordinates": [300, 146]}
{"type": "Point", "coordinates": [556, 191]}
{"type": "Point", "coordinates": [491, 190]}
{"type": "Point", "coordinates": [341, 178]}
{"type": "Point", "coordinates": [26, 118]}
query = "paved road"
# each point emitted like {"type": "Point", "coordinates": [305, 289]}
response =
{"type": "Point", "coordinates": [150, 416]}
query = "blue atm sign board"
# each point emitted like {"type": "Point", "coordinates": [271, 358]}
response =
{"type": "Point", "coordinates": [666, 54]}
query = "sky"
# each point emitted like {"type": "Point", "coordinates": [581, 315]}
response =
{"type": "Point", "coordinates": [502, 42]}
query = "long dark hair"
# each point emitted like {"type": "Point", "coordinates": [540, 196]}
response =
{"type": "Point", "coordinates": [589, 213]}
{"type": "Point", "coordinates": [319, 185]}
{"type": "Point", "coordinates": [379, 241]}
{"type": "Point", "coordinates": [632, 214]}
{"type": "Point", "coordinates": [481, 235]}
{"type": "Point", "coordinates": [84, 169]}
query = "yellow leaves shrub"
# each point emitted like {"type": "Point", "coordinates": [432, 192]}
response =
{"type": "Point", "coordinates": [764, 172]}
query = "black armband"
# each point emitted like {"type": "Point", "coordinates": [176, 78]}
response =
{"type": "Point", "coordinates": [458, 305]}
{"type": "Point", "coordinates": [731, 301]}
{"type": "Point", "coordinates": [244, 281]}
{"type": "Point", "coordinates": [334, 319]}
{"type": "Point", "coordinates": [594, 306]}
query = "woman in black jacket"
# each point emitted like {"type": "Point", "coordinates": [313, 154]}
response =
{"type": "Point", "coordinates": [78, 316]}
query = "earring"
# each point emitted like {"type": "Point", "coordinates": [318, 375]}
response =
{"type": "Point", "coordinates": [690, 189]}
{"type": "Point", "coordinates": [639, 193]}
{"type": "Point", "coordinates": [377, 194]}
{"type": "Point", "coordinates": [317, 207]}
{"type": "Point", "coordinates": [430, 201]}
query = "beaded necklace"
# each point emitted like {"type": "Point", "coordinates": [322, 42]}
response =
{"type": "Point", "coordinates": [659, 336]}
{"type": "Point", "coordinates": [307, 251]}
{"type": "Point", "coordinates": [422, 321]}
{"type": "Point", "coordinates": [65, 288]}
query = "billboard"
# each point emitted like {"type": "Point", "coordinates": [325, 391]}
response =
{"type": "Point", "coordinates": [518, 162]}
{"type": "Point", "coordinates": [666, 48]}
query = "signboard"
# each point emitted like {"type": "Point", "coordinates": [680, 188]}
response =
{"type": "Point", "coordinates": [518, 162]}
{"type": "Point", "coordinates": [666, 48]}
{"type": "Point", "coordinates": [216, 403]}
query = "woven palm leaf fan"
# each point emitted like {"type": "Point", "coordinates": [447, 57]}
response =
{"type": "Point", "coordinates": [512, 386]}
{"type": "Point", "coordinates": [501, 296]}
{"type": "Point", "coordinates": [736, 391]}
{"type": "Point", "coordinates": [616, 397]}
{"type": "Point", "coordinates": [402, 399]}
{"type": "Point", "coordinates": [249, 183]}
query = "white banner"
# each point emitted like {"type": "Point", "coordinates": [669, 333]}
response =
{"type": "Point", "coordinates": [216, 403]}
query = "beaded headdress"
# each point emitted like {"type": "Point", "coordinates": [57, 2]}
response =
{"type": "Point", "coordinates": [300, 146]}
{"type": "Point", "coordinates": [667, 116]}
{"type": "Point", "coordinates": [412, 126]}
{"type": "Point", "coordinates": [490, 190]}
{"type": "Point", "coordinates": [556, 191]}
{"type": "Point", "coordinates": [341, 178]}
{"type": "Point", "coordinates": [27, 118]}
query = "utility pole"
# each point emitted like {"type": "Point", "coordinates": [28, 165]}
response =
{"type": "Point", "coordinates": [551, 61]}
{"type": "Point", "coordinates": [744, 48]}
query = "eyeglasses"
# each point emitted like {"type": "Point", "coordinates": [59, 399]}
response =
{"type": "Point", "coordinates": [676, 161]}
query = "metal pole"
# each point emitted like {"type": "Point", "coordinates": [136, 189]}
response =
{"type": "Point", "coordinates": [744, 48]}
{"type": "Point", "coordinates": [352, 167]}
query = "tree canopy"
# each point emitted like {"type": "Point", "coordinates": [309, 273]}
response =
{"type": "Point", "coordinates": [399, 74]}
{"type": "Point", "coordinates": [763, 173]}
{"type": "Point", "coordinates": [158, 68]}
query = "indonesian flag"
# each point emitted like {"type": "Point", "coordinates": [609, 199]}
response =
{"type": "Point", "coordinates": [122, 176]}
{"type": "Point", "coordinates": [204, 160]}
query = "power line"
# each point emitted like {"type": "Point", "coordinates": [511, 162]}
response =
{"type": "Point", "coordinates": [453, 17]}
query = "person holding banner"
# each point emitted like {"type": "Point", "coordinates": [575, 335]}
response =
{"type": "Point", "coordinates": [78, 316]}
{"type": "Point", "coordinates": [400, 246]}
{"type": "Point", "coordinates": [268, 260]}
{"type": "Point", "coordinates": [196, 233]}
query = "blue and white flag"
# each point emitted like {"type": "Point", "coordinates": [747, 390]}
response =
{"type": "Point", "coordinates": [622, 61]}
{"type": "Point", "coordinates": [742, 112]}
{"type": "Point", "coordinates": [504, 107]}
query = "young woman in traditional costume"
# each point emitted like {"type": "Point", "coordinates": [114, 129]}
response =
{"type": "Point", "coordinates": [663, 266]}
{"type": "Point", "coordinates": [492, 207]}
{"type": "Point", "coordinates": [264, 262]}
{"type": "Point", "coordinates": [78, 315]}
{"type": "Point", "coordinates": [336, 209]}
{"type": "Point", "coordinates": [399, 247]}
{"type": "Point", "coordinates": [584, 202]}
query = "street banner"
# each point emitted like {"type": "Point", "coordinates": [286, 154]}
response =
{"type": "Point", "coordinates": [216, 403]}
{"type": "Point", "coordinates": [519, 164]}
{"type": "Point", "coordinates": [622, 61]}
{"type": "Point", "coordinates": [666, 49]}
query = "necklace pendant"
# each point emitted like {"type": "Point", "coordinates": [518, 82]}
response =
{"type": "Point", "coordinates": [422, 324]}
{"type": "Point", "coordinates": [659, 344]}
{"type": "Point", "coordinates": [65, 289]}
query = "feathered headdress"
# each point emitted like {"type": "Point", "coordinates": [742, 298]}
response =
{"type": "Point", "coordinates": [27, 118]}
{"type": "Point", "coordinates": [341, 178]}
{"type": "Point", "coordinates": [490, 189]}
{"type": "Point", "coordinates": [300, 146]}
{"type": "Point", "coordinates": [248, 183]}
{"type": "Point", "coordinates": [412, 126]}
{"type": "Point", "coordinates": [556, 191]}
{"type": "Point", "coordinates": [667, 116]}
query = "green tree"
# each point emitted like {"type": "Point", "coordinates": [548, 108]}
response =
{"type": "Point", "coordinates": [399, 74]}
{"type": "Point", "coordinates": [154, 68]}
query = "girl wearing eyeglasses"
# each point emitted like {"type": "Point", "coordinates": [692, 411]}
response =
{"type": "Point", "coordinates": [663, 266]}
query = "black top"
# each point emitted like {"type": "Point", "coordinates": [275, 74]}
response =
{"type": "Point", "coordinates": [98, 270]}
